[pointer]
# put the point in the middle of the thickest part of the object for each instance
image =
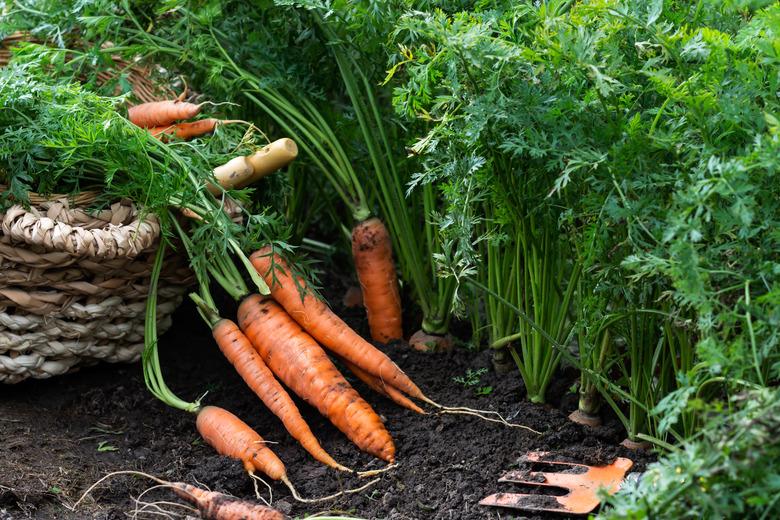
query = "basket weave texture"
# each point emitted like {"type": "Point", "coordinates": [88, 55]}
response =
{"type": "Point", "coordinates": [74, 282]}
{"type": "Point", "coordinates": [73, 286]}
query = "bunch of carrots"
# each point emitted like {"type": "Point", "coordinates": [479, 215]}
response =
{"type": "Point", "coordinates": [282, 334]}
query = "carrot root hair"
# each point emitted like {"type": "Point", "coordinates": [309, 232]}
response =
{"type": "Point", "coordinates": [482, 414]}
{"type": "Point", "coordinates": [299, 498]}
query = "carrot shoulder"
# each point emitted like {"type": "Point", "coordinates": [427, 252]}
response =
{"type": "Point", "coordinates": [327, 328]}
{"type": "Point", "coordinates": [373, 254]}
{"type": "Point", "coordinates": [232, 437]}
{"type": "Point", "coordinates": [161, 113]}
{"type": "Point", "coordinates": [253, 370]}
{"type": "Point", "coordinates": [304, 367]}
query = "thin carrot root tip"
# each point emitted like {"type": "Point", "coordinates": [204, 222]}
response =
{"type": "Point", "coordinates": [483, 414]}
{"type": "Point", "coordinates": [373, 254]}
{"type": "Point", "coordinates": [433, 343]}
{"type": "Point", "coordinates": [375, 472]}
{"type": "Point", "coordinates": [297, 497]}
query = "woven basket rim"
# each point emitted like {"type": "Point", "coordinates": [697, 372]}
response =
{"type": "Point", "coordinates": [81, 198]}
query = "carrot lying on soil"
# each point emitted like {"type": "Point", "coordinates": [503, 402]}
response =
{"type": "Point", "coordinates": [382, 388]}
{"type": "Point", "coordinates": [186, 130]}
{"type": "Point", "coordinates": [211, 504]}
{"type": "Point", "coordinates": [330, 331]}
{"type": "Point", "coordinates": [304, 367]}
{"type": "Point", "coordinates": [242, 355]}
{"type": "Point", "coordinates": [162, 113]}
{"type": "Point", "coordinates": [324, 326]}
{"type": "Point", "coordinates": [231, 437]}
{"type": "Point", "coordinates": [373, 254]}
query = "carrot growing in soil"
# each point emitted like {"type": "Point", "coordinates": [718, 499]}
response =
{"type": "Point", "coordinates": [373, 254]}
{"type": "Point", "coordinates": [253, 370]}
{"type": "Point", "coordinates": [303, 366]}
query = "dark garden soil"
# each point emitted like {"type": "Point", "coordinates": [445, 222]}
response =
{"type": "Point", "coordinates": [59, 436]}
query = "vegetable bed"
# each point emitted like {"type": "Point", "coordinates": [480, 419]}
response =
{"type": "Point", "coordinates": [101, 419]}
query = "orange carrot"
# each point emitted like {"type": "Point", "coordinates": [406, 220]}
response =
{"type": "Point", "coordinates": [253, 370]}
{"type": "Point", "coordinates": [218, 506]}
{"type": "Point", "coordinates": [304, 367]}
{"type": "Point", "coordinates": [373, 254]}
{"type": "Point", "coordinates": [161, 113]}
{"type": "Point", "coordinates": [382, 388]}
{"type": "Point", "coordinates": [210, 504]}
{"type": "Point", "coordinates": [327, 328]}
{"type": "Point", "coordinates": [186, 130]}
{"type": "Point", "coordinates": [231, 437]}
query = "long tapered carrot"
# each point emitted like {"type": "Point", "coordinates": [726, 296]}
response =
{"type": "Point", "coordinates": [381, 388]}
{"type": "Point", "coordinates": [373, 254]}
{"type": "Point", "coordinates": [161, 113]}
{"type": "Point", "coordinates": [186, 130]}
{"type": "Point", "coordinates": [327, 328]}
{"type": "Point", "coordinates": [253, 370]}
{"type": "Point", "coordinates": [304, 367]}
{"type": "Point", "coordinates": [231, 437]}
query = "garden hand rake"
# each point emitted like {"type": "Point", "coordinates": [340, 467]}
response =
{"type": "Point", "coordinates": [582, 486]}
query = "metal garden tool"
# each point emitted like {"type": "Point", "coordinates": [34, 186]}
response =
{"type": "Point", "coordinates": [579, 482]}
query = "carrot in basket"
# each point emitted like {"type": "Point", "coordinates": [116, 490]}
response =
{"type": "Point", "coordinates": [253, 370]}
{"type": "Point", "coordinates": [162, 113]}
{"type": "Point", "coordinates": [327, 328]}
{"type": "Point", "coordinates": [373, 254]}
{"type": "Point", "coordinates": [304, 367]}
{"type": "Point", "coordinates": [187, 130]}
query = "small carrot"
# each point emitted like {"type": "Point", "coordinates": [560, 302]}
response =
{"type": "Point", "coordinates": [186, 130]}
{"type": "Point", "coordinates": [373, 254]}
{"type": "Point", "coordinates": [162, 113]}
{"type": "Point", "coordinates": [382, 388]}
{"type": "Point", "coordinates": [253, 370]}
{"type": "Point", "coordinates": [231, 437]}
{"type": "Point", "coordinates": [304, 367]}
{"type": "Point", "coordinates": [327, 328]}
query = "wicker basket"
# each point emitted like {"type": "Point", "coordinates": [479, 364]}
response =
{"type": "Point", "coordinates": [73, 283]}
{"type": "Point", "coordinates": [73, 287]}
